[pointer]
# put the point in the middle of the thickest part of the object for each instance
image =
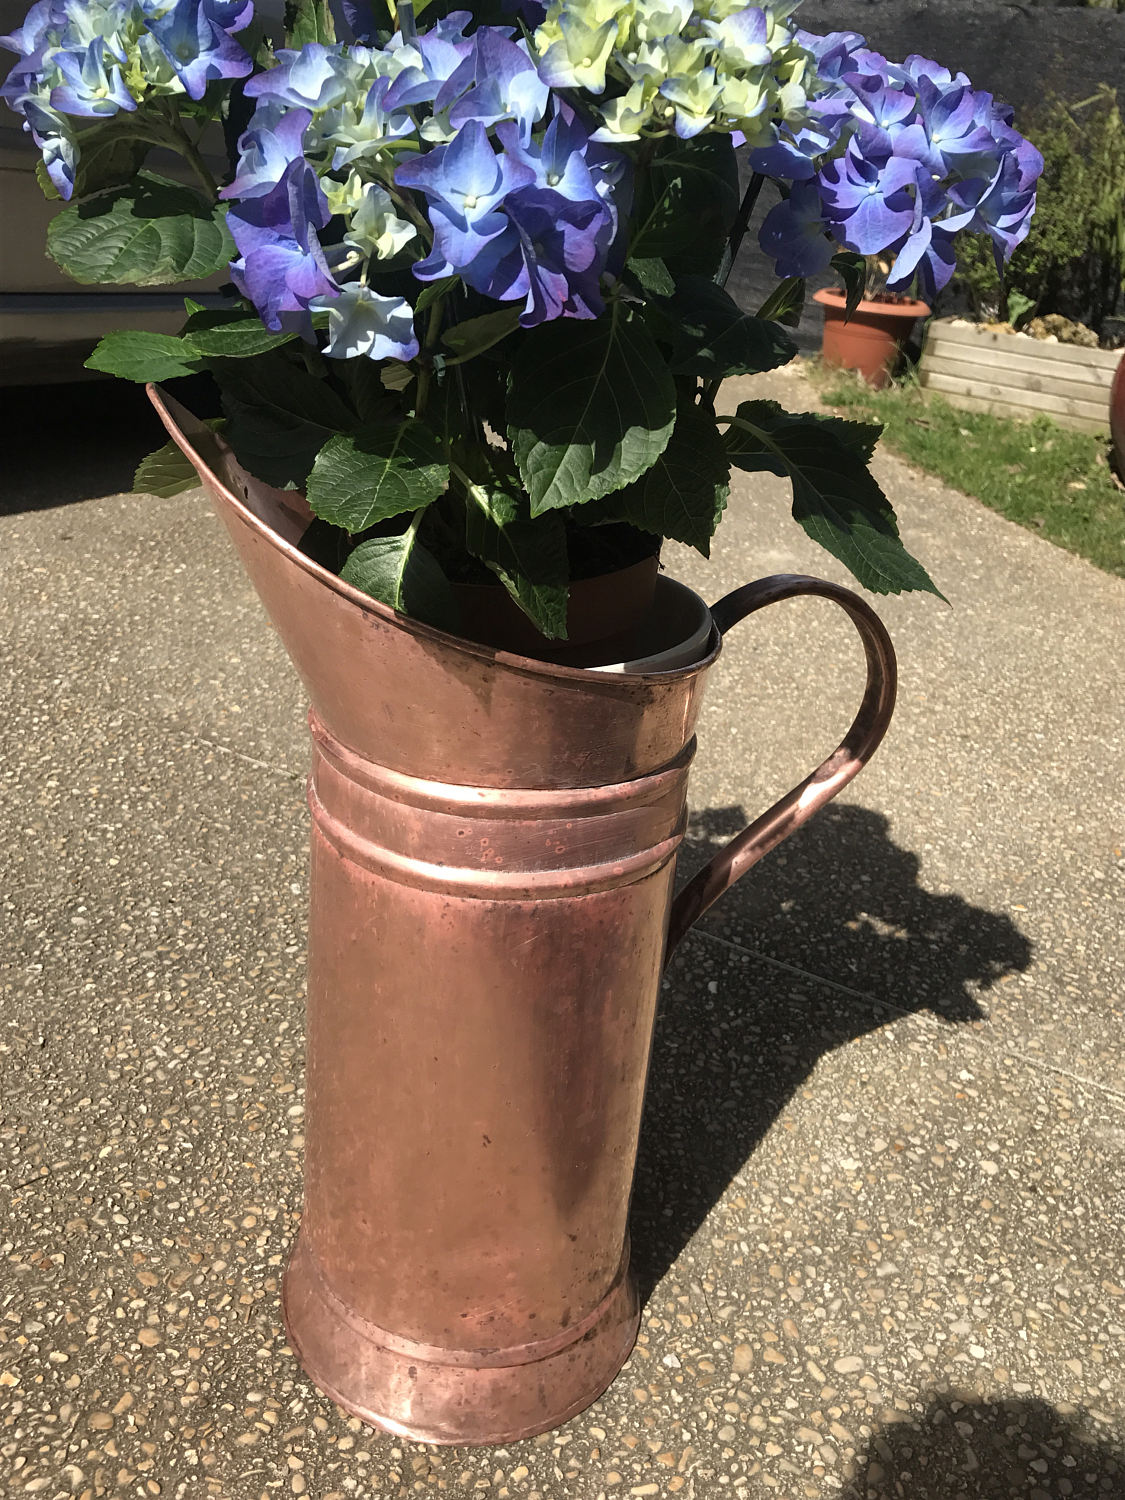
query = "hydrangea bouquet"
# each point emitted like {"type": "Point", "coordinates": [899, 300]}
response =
{"type": "Point", "coordinates": [478, 258]}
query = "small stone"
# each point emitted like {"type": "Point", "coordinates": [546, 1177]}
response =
{"type": "Point", "coordinates": [851, 1364]}
{"type": "Point", "coordinates": [148, 1337]}
{"type": "Point", "coordinates": [7, 1378]}
{"type": "Point", "coordinates": [521, 1471]}
{"type": "Point", "coordinates": [101, 1421]}
{"type": "Point", "coordinates": [743, 1359]}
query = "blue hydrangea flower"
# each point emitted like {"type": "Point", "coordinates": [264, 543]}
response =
{"type": "Point", "coordinates": [923, 156]}
{"type": "Point", "coordinates": [947, 137]}
{"type": "Point", "coordinates": [313, 77]}
{"type": "Point", "coordinates": [281, 265]}
{"type": "Point", "coordinates": [273, 140]}
{"type": "Point", "coordinates": [548, 256]}
{"type": "Point", "coordinates": [794, 234]}
{"type": "Point", "coordinates": [496, 80]}
{"type": "Point", "coordinates": [1000, 207]}
{"type": "Point", "coordinates": [194, 47]}
{"type": "Point", "coordinates": [54, 136]}
{"type": "Point", "coordinates": [89, 85]}
{"type": "Point", "coordinates": [424, 64]}
{"type": "Point", "coordinates": [867, 199]}
{"type": "Point", "coordinates": [465, 182]}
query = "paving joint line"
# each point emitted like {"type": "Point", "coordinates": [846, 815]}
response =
{"type": "Point", "coordinates": [1117, 1095]}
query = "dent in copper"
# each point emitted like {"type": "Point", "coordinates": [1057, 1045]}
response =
{"type": "Point", "coordinates": [493, 853]}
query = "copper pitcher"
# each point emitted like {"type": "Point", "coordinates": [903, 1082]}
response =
{"type": "Point", "coordinates": [493, 852]}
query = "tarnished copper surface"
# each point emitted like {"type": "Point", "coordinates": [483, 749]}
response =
{"type": "Point", "coordinates": [493, 853]}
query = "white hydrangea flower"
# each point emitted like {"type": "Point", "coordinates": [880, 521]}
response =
{"type": "Point", "coordinates": [361, 322]}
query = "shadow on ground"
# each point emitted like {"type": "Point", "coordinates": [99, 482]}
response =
{"type": "Point", "coordinates": [841, 902]}
{"type": "Point", "coordinates": [963, 1448]}
{"type": "Point", "coordinates": [81, 440]}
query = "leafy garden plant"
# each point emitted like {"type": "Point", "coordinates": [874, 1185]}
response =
{"type": "Point", "coordinates": [476, 309]}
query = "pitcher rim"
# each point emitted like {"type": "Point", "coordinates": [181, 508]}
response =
{"type": "Point", "coordinates": [588, 676]}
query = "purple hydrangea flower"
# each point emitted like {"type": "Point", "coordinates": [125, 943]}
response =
{"type": "Point", "coordinates": [925, 156]}
{"type": "Point", "coordinates": [549, 258]}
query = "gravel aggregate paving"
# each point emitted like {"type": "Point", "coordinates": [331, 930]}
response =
{"type": "Point", "coordinates": [879, 1207]}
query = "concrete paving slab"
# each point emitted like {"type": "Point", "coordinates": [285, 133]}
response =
{"type": "Point", "coordinates": [999, 782]}
{"type": "Point", "coordinates": [158, 617]}
{"type": "Point", "coordinates": [879, 1203]}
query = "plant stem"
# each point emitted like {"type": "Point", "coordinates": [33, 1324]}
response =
{"type": "Point", "coordinates": [726, 265]}
{"type": "Point", "coordinates": [739, 227]}
{"type": "Point", "coordinates": [425, 372]}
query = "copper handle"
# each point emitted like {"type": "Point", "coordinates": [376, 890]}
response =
{"type": "Point", "coordinates": [856, 749]}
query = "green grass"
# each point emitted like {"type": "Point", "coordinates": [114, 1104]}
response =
{"type": "Point", "coordinates": [1045, 477]}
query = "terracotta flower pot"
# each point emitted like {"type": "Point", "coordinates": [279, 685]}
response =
{"type": "Point", "coordinates": [493, 851]}
{"type": "Point", "coordinates": [1117, 417]}
{"type": "Point", "coordinates": [871, 340]}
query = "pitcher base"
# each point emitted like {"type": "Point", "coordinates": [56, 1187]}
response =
{"type": "Point", "coordinates": [453, 1396]}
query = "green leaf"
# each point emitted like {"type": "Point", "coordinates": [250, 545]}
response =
{"type": "Point", "coordinates": [280, 416]}
{"type": "Point", "coordinates": [860, 438]}
{"type": "Point", "coordinates": [166, 472]}
{"type": "Point", "coordinates": [433, 291]}
{"type": "Point", "coordinates": [400, 572]}
{"type": "Point", "coordinates": [835, 497]}
{"type": "Point", "coordinates": [786, 302]}
{"type": "Point", "coordinates": [230, 333]}
{"type": "Point", "coordinates": [687, 204]}
{"type": "Point", "coordinates": [653, 275]}
{"type": "Point", "coordinates": [368, 476]}
{"type": "Point", "coordinates": [1020, 307]}
{"type": "Point", "coordinates": [394, 375]}
{"type": "Point", "coordinates": [150, 233]}
{"type": "Point", "coordinates": [528, 556]}
{"type": "Point", "coordinates": [475, 335]}
{"type": "Point", "coordinates": [308, 21]}
{"type": "Point", "coordinates": [111, 153]}
{"type": "Point", "coordinates": [684, 494]}
{"type": "Point", "coordinates": [591, 405]}
{"type": "Point", "coordinates": [851, 267]}
{"type": "Point", "coordinates": [711, 336]}
{"type": "Point", "coordinates": [134, 355]}
{"type": "Point", "coordinates": [363, 379]}
{"type": "Point", "coordinates": [46, 186]}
